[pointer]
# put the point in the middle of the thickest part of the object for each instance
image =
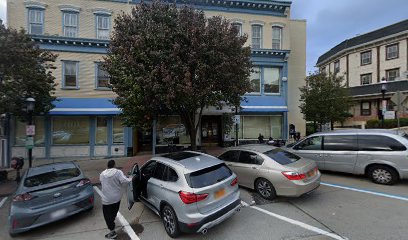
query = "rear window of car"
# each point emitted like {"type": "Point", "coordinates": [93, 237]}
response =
{"type": "Point", "coordinates": [281, 156]}
{"type": "Point", "coordinates": [51, 177]}
{"type": "Point", "coordinates": [209, 176]}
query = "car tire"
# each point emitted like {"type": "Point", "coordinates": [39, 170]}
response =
{"type": "Point", "coordinates": [265, 188]}
{"type": "Point", "coordinates": [170, 221]}
{"type": "Point", "coordinates": [381, 174]}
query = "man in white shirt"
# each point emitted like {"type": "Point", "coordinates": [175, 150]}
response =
{"type": "Point", "coordinates": [112, 180]}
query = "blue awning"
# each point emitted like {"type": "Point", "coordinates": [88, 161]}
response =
{"type": "Point", "coordinates": [84, 106]}
{"type": "Point", "coordinates": [263, 104]}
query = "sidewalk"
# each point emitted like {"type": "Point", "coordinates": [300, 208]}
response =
{"type": "Point", "coordinates": [91, 167]}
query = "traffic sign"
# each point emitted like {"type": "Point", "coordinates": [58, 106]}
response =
{"type": "Point", "coordinates": [30, 130]}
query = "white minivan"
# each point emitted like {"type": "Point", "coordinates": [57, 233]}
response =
{"type": "Point", "coordinates": [380, 154]}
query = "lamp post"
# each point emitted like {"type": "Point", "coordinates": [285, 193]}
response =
{"type": "Point", "coordinates": [384, 102]}
{"type": "Point", "coordinates": [30, 103]}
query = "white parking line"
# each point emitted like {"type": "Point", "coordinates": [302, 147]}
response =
{"type": "Point", "coordinates": [3, 201]}
{"type": "Point", "coordinates": [128, 229]}
{"type": "Point", "coordinates": [295, 222]}
{"type": "Point", "coordinates": [366, 191]}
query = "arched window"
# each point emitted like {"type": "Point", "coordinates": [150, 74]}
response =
{"type": "Point", "coordinates": [276, 37]}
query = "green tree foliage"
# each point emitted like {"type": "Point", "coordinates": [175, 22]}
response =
{"type": "Point", "coordinates": [325, 99]}
{"type": "Point", "coordinates": [168, 60]}
{"type": "Point", "coordinates": [25, 71]}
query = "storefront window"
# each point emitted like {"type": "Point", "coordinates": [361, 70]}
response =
{"type": "Point", "coordinates": [170, 130]}
{"type": "Point", "coordinates": [20, 133]}
{"type": "Point", "coordinates": [271, 80]}
{"type": "Point", "coordinates": [118, 131]}
{"type": "Point", "coordinates": [70, 130]}
{"type": "Point", "coordinates": [252, 126]}
{"type": "Point", "coordinates": [276, 126]}
{"type": "Point", "coordinates": [102, 130]}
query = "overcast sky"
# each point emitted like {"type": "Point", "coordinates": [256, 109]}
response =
{"type": "Point", "coordinates": [329, 22]}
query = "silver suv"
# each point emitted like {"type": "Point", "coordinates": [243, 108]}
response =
{"type": "Point", "coordinates": [380, 154]}
{"type": "Point", "coordinates": [190, 191]}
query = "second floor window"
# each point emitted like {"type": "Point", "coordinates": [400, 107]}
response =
{"type": "Point", "coordinates": [238, 26]}
{"type": "Point", "coordinates": [102, 27]}
{"type": "Point", "coordinates": [256, 36]}
{"type": "Point", "coordinates": [102, 77]}
{"type": "Point", "coordinates": [392, 74]}
{"type": "Point", "coordinates": [365, 58]}
{"type": "Point", "coordinates": [366, 78]}
{"type": "Point", "coordinates": [337, 66]}
{"type": "Point", "coordinates": [70, 74]}
{"type": "Point", "coordinates": [70, 24]}
{"type": "Point", "coordinates": [255, 79]}
{"type": "Point", "coordinates": [276, 38]}
{"type": "Point", "coordinates": [271, 80]}
{"type": "Point", "coordinates": [391, 51]}
{"type": "Point", "coordinates": [35, 21]}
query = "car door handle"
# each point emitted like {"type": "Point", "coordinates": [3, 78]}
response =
{"type": "Point", "coordinates": [229, 164]}
{"type": "Point", "coordinates": [254, 168]}
{"type": "Point", "coordinates": [161, 186]}
{"type": "Point", "coordinates": [318, 155]}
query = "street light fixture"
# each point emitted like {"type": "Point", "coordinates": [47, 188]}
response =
{"type": "Point", "coordinates": [384, 102]}
{"type": "Point", "coordinates": [30, 104]}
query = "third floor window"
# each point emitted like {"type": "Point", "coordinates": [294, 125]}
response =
{"type": "Point", "coordinates": [256, 36]}
{"type": "Point", "coordinates": [366, 78]}
{"type": "Point", "coordinates": [35, 21]}
{"type": "Point", "coordinates": [365, 58]}
{"type": "Point", "coordinates": [391, 51]}
{"type": "Point", "coordinates": [276, 38]}
{"type": "Point", "coordinates": [337, 66]}
{"type": "Point", "coordinates": [102, 27]}
{"type": "Point", "coordinates": [238, 26]}
{"type": "Point", "coordinates": [70, 24]}
{"type": "Point", "coordinates": [392, 74]}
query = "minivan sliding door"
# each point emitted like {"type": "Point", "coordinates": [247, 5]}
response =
{"type": "Point", "coordinates": [340, 152]}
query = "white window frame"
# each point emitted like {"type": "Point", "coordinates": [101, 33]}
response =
{"type": "Point", "coordinates": [279, 80]}
{"type": "Point", "coordinates": [393, 78]}
{"type": "Point", "coordinates": [366, 58]}
{"type": "Point", "coordinates": [30, 24]}
{"type": "Point", "coordinates": [277, 42]}
{"type": "Point", "coordinates": [365, 77]}
{"type": "Point", "coordinates": [336, 66]}
{"type": "Point", "coordinates": [65, 27]}
{"type": "Point", "coordinates": [97, 64]}
{"type": "Point", "coordinates": [258, 37]}
{"type": "Point", "coordinates": [98, 29]}
{"type": "Point", "coordinates": [260, 81]}
{"type": "Point", "coordinates": [239, 26]}
{"type": "Point", "coordinates": [76, 74]}
{"type": "Point", "coordinates": [392, 51]}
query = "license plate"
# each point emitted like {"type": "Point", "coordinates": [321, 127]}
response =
{"type": "Point", "coordinates": [219, 193]}
{"type": "Point", "coordinates": [58, 213]}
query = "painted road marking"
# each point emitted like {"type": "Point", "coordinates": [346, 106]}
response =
{"type": "Point", "coordinates": [295, 222]}
{"type": "Point", "coordinates": [3, 201]}
{"type": "Point", "coordinates": [128, 229]}
{"type": "Point", "coordinates": [366, 191]}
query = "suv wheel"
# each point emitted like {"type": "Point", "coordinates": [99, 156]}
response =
{"type": "Point", "coordinates": [170, 221]}
{"type": "Point", "coordinates": [265, 188]}
{"type": "Point", "coordinates": [383, 175]}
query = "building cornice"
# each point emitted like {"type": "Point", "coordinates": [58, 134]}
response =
{"type": "Point", "coordinates": [284, 54]}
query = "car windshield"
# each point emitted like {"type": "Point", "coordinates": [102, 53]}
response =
{"type": "Point", "coordinates": [51, 177]}
{"type": "Point", "coordinates": [209, 176]}
{"type": "Point", "coordinates": [281, 156]}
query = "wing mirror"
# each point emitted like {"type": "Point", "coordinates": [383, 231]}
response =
{"type": "Point", "coordinates": [135, 170]}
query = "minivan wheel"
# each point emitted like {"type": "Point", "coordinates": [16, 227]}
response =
{"type": "Point", "coordinates": [383, 175]}
{"type": "Point", "coordinates": [170, 221]}
{"type": "Point", "coordinates": [265, 188]}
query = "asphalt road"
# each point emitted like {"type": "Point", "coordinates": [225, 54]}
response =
{"type": "Point", "coordinates": [345, 207]}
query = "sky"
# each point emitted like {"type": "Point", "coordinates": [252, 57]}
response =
{"type": "Point", "coordinates": [330, 22]}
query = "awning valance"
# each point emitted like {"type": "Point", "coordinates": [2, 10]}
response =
{"type": "Point", "coordinates": [84, 106]}
{"type": "Point", "coordinates": [264, 104]}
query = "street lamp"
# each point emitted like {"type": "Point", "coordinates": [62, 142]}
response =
{"type": "Point", "coordinates": [384, 102]}
{"type": "Point", "coordinates": [30, 104]}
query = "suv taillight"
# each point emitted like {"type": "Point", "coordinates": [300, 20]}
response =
{"type": "Point", "coordinates": [189, 198]}
{"type": "Point", "coordinates": [294, 175]}
{"type": "Point", "coordinates": [83, 182]}
{"type": "Point", "coordinates": [234, 182]}
{"type": "Point", "coordinates": [22, 197]}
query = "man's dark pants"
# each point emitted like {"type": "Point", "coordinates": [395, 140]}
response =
{"type": "Point", "coordinates": [109, 213]}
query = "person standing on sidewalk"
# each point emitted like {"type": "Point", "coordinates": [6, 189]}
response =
{"type": "Point", "coordinates": [112, 180]}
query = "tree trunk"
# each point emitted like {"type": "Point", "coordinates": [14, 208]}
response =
{"type": "Point", "coordinates": [193, 136]}
{"type": "Point", "coordinates": [332, 125]}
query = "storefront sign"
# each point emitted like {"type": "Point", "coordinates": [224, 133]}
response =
{"type": "Point", "coordinates": [30, 142]}
{"type": "Point", "coordinates": [30, 130]}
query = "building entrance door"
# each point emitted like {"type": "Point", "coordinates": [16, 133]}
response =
{"type": "Point", "coordinates": [211, 130]}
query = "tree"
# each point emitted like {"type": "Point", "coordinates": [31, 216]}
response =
{"type": "Point", "coordinates": [168, 60]}
{"type": "Point", "coordinates": [325, 99]}
{"type": "Point", "coordinates": [25, 71]}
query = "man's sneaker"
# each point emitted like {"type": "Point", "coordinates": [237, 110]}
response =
{"type": "Point", "coordinates": [111, 235]}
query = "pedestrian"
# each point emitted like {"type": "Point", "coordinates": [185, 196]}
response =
{"type": "Point", "coordinates": [112, 180]}
{"type": "Point", "coordinates": [261, 138]}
